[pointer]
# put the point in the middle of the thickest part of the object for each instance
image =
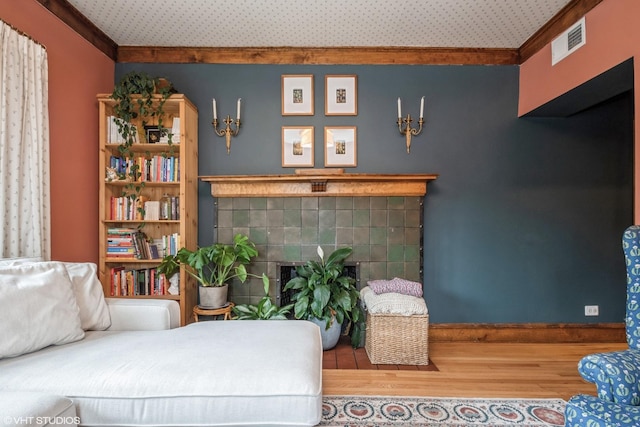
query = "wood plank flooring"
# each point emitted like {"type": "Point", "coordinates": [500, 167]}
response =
{"type": "Point", "coordinates": [473, 369]}
{"type": "Point", "coordinates": [343, 356]}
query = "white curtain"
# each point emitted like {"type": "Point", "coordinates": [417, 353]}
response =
{"type": "Point", "coordinates": [24, 147]}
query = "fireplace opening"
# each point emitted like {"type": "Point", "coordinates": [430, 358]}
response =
{"type": "Point", "coordinates": [287, 270]}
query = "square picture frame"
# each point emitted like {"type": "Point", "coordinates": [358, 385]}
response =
{"type": "Point", "coordinates": [341, 95]}
{"type": "Point", "coordinates": [340, 146]}
{"type": "Point", "coordinates": [297, 95]}
{"type": "Point", "coordinates": [297, 146]}
{"type": "Point", "coordinates": [152, 134]}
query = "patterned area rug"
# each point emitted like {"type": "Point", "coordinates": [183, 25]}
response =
{"type": "Point", "coordinates": [377, 411]}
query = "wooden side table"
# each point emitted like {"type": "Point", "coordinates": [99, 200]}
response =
{"type": "Point", "coordinates": [222, 311]}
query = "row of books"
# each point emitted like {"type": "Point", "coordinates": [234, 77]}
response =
{"type": "Point", "coordinates": [149, 169]}
{"type": "Point", "coordinates": [142, 209]}
{"type": "Point", "coordinates": [114, 136]}
{"type": "Point", "coordinates": [144, 281]}
{"type": "Point", "coordinates": [130, 243]}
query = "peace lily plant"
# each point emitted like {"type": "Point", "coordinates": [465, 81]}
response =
{"type": "Point", "coordinates": [323, 291]}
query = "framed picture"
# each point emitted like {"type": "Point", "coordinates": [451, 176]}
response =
{"type": "Point", "coordinates": [297, 94]}
{"type": "Point", "coordinates": [152, 134]}
{"type": "Point", "coordinates": [340, 147]}
{"type": "Point", "coordinates": [297, 146]}
{"type": "Point", "coordinates": [341, 95]}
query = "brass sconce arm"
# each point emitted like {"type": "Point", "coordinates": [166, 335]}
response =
{"type": "Point", "coordinates": [227, 131]}
{"type": "Point", "coordinates": [407, 131]}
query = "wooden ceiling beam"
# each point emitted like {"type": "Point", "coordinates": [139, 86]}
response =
{"type": "Point", "coordinates": [317, 55]}
{"type": "Point", "coordinates": [81, 25]}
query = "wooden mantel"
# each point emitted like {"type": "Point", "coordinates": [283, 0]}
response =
{"type": "Point", "coordinates": [319, 184]}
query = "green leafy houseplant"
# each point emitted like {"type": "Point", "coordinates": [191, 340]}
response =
{"type": "Point", "coordinates": [323, 291]}
{"type": "Point", "coordinates": [264, 310]}
{"type": "Point", "coordinates": [214, 265]}
{"type": "Point", "coordinates": [136, 96]}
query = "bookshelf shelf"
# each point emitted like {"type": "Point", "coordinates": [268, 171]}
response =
{"type": "Point", "coordinates": [146, 184]}
{"type": "Point", "coordinates": [168, 149]}
{"type": "Point", "coordinates": [127, 208]}
{"type": "Point", "coordinates": [171, 297]}
{"type": "Point", "coordinates": [141, 221]}
{"type": "Point", "coordinates": [131, 261]}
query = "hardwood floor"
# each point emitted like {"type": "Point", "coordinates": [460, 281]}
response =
{"type": "Point", "coordinates": [472, 369]}
{"type": "Point", "coordinates": [343, 356]}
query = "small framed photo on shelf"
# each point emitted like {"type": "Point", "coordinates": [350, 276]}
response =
{"type": "Point", "coordinates": [341, 95]}
{"type": "Point", "coordinates": [152, 133]}
{"type": "Point", "coordinates": [340, 148]}
{"type": "Point", "coordinates": [297, 94]}
{"type": "Point", "coordinates": [297, 146]}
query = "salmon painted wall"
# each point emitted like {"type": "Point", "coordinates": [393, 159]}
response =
{"type": "Point", "coordinates": [77, 72]}
{"type": "Point", "coordinates": [612, 36]}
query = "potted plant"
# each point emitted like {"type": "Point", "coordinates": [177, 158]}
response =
{"type": "Point", "coordinates": [264, 310]}
{"type": "Point", "coordinates": [139, 97]}
{"type": "Point", "coordinates": [325, 295]}
{"type": "Point", "coordinates": [213, 266]}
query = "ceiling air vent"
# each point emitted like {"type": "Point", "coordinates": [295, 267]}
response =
{"type": "Point", "coordinates": [568, 42]}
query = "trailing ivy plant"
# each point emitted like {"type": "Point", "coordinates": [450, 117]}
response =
{"type": "Point", "coordinates": [136, 96]}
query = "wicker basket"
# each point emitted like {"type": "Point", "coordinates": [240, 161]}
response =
{"type": "Point", "coordinates": [397, 340]}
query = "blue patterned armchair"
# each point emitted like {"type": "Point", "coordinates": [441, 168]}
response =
{"type": "Point", "coordinates": [615, 374]}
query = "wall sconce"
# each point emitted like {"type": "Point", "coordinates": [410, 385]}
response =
{"type": "Point", "coordinates": [227, 131]}
{"type": "Point", "coordinates": [407, 131]}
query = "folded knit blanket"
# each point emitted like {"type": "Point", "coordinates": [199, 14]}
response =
{"type": "Point", "coordinates": [397, 285]}
{"type": "Point", "coordinates": [392, 303]}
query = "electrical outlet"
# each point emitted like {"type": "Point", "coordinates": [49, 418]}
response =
{"type": "Point", "coordinates": [591, 310]}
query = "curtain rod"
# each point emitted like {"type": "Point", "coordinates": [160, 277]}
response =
{"type": "Point", "coordinates": [22, 33]}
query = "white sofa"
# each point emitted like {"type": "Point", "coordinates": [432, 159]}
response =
{"type": "Point", "coordinates": [139, 368]}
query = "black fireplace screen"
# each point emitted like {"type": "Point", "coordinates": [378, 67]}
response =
{"type": "Point", "coordinates": [287, 271]}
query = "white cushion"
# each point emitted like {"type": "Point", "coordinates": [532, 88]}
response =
{"type": "Point", "coordinates": [215, 373]}
{"type": "Point", "coordinates": [94, 313]}
{"type": "Point", "coordinates": [392, 303]}
{"type": "Point", "coordinates": [38, 308]}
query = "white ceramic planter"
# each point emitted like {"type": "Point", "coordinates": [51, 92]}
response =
{"type": "Point", "coordinates": [213, 296]}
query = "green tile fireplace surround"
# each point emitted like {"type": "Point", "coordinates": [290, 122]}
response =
{"type": "Point", "coordinates": [384, 227]}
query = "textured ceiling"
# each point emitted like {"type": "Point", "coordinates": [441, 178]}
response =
{"type": "Point", "coordinates": [320, 23]}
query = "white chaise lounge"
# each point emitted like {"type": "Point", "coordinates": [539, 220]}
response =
{"type": "Point", "coordinates": [217, 373]}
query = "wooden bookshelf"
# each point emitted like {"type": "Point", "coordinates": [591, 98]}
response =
{"type": "Point", "coordinates": [182, 185]}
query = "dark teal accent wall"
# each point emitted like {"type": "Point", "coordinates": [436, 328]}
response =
{"type": "Point", "coordinates": [525, 221]}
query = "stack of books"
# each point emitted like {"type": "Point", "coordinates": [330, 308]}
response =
{"type": "Point", "coordinates": [131, 243]}
{"type": "Point", "coordinates": [120, 242]}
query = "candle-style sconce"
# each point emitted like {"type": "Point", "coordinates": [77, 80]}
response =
{"type": "Point", "coordinates": [227, 131]}
{"type": "Point", "coordinates": [407, 131]}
